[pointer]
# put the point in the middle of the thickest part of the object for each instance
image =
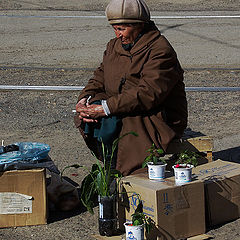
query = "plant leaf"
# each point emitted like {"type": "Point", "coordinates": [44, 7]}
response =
{"type": "Point", "coordinates": [160, 151]}
{"type": "Point", "coordinates": [88, 192]}
{"type": "Point", "coordinates": [155, 159]}
{"type": "Point", "coordinates": [115, 173]}
{"type": "Point", "coordinates": [139, 208]}
{"type": "Point", "coordinates": [115, 142]}
{"type": "Point", "coordinates": [100, 184]}
{"type": "Point", "coordinates": [98, 179]}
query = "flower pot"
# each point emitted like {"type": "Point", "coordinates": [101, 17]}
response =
{"type": "Point", "coordinates": [107, 222]}
{"type": "Point", "coordinates": [183, 173]}
{"type": "Point", "coordinates": [134, 232]}
{"type": "Point", "coordinates": [156, 171]}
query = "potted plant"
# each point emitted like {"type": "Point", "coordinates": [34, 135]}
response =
{"type": "Point", "coordinates": [135, 228]}
{"type": "Point", "coordinates": [156, 164]}
{"type": "Point", "coordinates": [186, 160]}
{"type": "Point", "coordinates": [101, 183]}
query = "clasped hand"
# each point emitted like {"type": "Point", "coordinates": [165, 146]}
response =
{"type": "Point", "coordinates": [89, 113]}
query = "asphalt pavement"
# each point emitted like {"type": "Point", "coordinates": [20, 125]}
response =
{"type": "Point", "coordinates": [68, 39]}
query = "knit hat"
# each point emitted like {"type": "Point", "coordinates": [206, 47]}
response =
{"type": "Point", "coordinates": [127, 11]}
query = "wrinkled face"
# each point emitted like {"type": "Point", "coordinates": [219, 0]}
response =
{"type": "Point", "coordinates": [127, 32]}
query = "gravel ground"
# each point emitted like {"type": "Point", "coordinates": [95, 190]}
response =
{"type": "Point", "coordinates": [46, 116]}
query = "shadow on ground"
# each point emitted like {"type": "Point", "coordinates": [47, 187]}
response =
{"type": "Point", "coordinates": [231, 155]}
{"type": "Point", "coordinates": [55, 215]}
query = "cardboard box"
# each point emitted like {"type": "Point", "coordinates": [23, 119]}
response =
{"type": "Point", "coordinates": [195, 144]}
{"type": "Point", "coordinates": [222, 190]}
{"type": "Point", "coordinates": [178, 211]}
{"type": "Point", "coordinates": [202, 145]}
{"type": "Point", "coordinates": [23, 198]}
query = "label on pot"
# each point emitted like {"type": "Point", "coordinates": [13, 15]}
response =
{"type": "Point", "coordinates": [156, 171]}
{"type": "Point", "coordinates": [183, 175]}
{"type": "Point", "coordinates": [100, 210]}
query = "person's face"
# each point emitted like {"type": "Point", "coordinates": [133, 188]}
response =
{"type": "Point", "coordinates": [127, 33]}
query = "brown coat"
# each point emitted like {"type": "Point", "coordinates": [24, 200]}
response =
{"type": "Point", "coordinates": [152, 100]}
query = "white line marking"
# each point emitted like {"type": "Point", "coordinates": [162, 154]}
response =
{"type": "Point", "coordinates": [152, 17]}
{"type": "Point", "coordinates": [78, 88]}
{"type": "Point", "coordinates": [190, 17]}
{"type": "Point", "coordinates": [50, 88]}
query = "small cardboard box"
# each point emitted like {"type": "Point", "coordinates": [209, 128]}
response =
{"type": "Point", "coordinates": [178, 211]}
{"type": "Point", "coordinates": [23, 198]}
{"type": "Point", "coordinates": [222, 190]}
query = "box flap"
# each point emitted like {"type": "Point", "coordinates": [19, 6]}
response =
{"type": "Point", "coordinates": [216, 170]}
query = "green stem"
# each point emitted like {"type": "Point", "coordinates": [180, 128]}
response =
{"type": "Point", "coordinates": [70, 166]}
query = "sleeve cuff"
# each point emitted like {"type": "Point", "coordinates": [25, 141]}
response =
{"type": "Point", "coordinates": [105, 107]}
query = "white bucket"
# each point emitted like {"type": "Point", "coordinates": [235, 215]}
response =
{"type": "Point", "coordinates": [134, 232]}
{"type": "Point", "coordinates": [183, 174]}
{"type": "Point", "coordinates": [156, 172]}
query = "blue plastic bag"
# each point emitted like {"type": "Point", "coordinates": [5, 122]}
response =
{"type": "Point", "coordinates": [29, 152]}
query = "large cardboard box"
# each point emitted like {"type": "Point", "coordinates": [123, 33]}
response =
{"type": "Point", "coordinates": [22, 198]}
{"type": "Point", "coordinates": [222, 190]}
{"type": "Point", "coordinates": [178, 211]}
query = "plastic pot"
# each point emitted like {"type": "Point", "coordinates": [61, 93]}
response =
{"type": "Point", "coordinates": [156, 171]}
{"type": "Point", "coordinates": [134, 232]}
{"type": "Point", "coordinates": [107, 222]}
{"type": "Point", "coordinates": [183, 173]}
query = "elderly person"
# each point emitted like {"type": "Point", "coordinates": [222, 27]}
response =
{"type": "Point", "coordinates": [138, 87]}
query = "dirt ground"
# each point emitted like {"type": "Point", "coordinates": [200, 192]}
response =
{"type": "Point", "coordinates": [46, 116]}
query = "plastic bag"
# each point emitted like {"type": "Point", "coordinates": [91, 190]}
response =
{"type": "Point", "coordinates": [61, 193]}
{"type": "Point", "coordinates": [29, 152]}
